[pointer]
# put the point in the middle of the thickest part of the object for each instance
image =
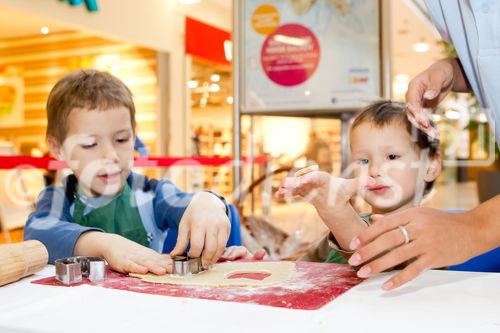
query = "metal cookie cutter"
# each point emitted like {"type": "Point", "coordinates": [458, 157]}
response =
{"type": "Point", "coordinates": [183, 265]}
{"type": "Point", "coordinates": [71, 270]}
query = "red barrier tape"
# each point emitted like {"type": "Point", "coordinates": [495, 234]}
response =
{"type": "Point", "coordinates": [11, 162]}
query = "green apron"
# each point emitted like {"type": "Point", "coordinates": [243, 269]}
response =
{"type": "Point", "coordinates": [336, 258]}
{"type": "Point", "coordinates": [117, 217]}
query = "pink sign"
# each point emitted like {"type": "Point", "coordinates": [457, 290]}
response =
{"type": "Point", "coordinates": [290, 55]}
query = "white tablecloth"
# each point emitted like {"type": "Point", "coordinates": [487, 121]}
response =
{"type": "Point", "coordinates": [438, 301]}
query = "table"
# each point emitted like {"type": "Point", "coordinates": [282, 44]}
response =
{"type": "Point", "coordinates": [436, 301]}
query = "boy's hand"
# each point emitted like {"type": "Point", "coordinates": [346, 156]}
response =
{"type": "Point", "coordinates": [241, 252]}
{"type": "Point", "coordinates": [123, 255]}
{"type": "Point", "coordinates": [206, 227]}
{"type": "Point", "coordinates": [322, 190]}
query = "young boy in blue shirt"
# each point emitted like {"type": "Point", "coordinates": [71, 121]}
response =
{"type": "Point", "coordinates": [103, 208]}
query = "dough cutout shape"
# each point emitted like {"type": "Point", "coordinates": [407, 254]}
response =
{"type": "Point", "coordinates": [220, 275]}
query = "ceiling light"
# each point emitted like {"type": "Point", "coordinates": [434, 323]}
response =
{"type": "Point", "coordinates": [192, 84]}
{"type": "Point", "coordinates": [421, 47]}
{"type": "Point", "coordinates": [45, 30]}
{"type": "Point", "coordinates": [229, 100]}
{"type": "Point", "coordinates": [215, 77]}
{"type": "Point", "coordinates": [401, 78]}
{"type": "Point", "coordinates": [214, 87]}
{"type": "Point", "coordinates": [400, 84]}
{"type": "Point", "coordinates": [228, 50]}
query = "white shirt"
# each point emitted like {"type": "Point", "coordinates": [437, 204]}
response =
{"type": "Point", "coordinates": [473, 27]}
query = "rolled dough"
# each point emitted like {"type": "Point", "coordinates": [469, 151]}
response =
{"type": "Point", "coordinates": [218, 274]}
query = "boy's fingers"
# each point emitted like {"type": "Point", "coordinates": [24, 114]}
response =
{"type": "Point", "coordinates": [209, 249]}
{"type": "Point", "coordinates": [302, 185]}
{"type": "Point", "coordinates": [229, 253]}
{"type": "Point", "coordinates": [349, 187]}
{"type": "Point", "coordinates": [238, 252]}
{"type": "Point", "coordinates": [165, 261]}
{"type": "Point", "coordinates": [306, 170]}
{"type": "Point", "coordinates": [182, 241]}
{"type": "Point", "coordinates": [226, 252]}
{"type": "Point", "coordinates": [152, 261]}
{"type": "Point", "coordinates": [311, 178]}
{"type": "Point", "coordinates": [222, 237]}
{"type": "Point", "coordinates": [155, 269]}
{"type": "Point", "coordinates": [197, 243]}
{"type": "Point", "coordinates": [289, 185]}
{"type": "Point", "coordinates": [133, 267]}
{"type": "Point", "coordinates": [353, 185]}
{"type": "Point", "coordinates": [259, 255]}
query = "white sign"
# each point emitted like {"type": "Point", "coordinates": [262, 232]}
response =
{"type": "Point", "coordinates": [310, 54]}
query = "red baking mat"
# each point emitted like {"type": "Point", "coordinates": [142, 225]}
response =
{"type": "Point", "coordinates": [312, 286]}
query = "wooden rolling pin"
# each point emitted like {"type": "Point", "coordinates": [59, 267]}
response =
{"type": "Point", "coordinates": [21, 259]}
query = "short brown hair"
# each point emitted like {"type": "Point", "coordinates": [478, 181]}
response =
{"type": "Point", "coordinates": [383, 113]}
{"type": "Point", "coordinates": [88, 89]}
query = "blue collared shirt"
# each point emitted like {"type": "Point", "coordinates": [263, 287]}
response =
{"type": "Point", "coordinates": [473, 27]}
{"type": "Point", "coordinates": [160, 203]}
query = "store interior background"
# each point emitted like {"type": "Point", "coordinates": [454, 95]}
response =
{"type": "Point", "coordinates": [184, 99]}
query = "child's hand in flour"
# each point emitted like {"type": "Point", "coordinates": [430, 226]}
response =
{"type": "Point", "coordinates": [205, 226]}
{"type": "Point", "coordinates": [122, 255]}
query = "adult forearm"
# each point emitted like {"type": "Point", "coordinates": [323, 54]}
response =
{"type": "Point", "coordinates": [461, 84]}
{"type": "Point", "coordinates": [485, 221]}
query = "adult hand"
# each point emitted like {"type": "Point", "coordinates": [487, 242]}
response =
{"type": "Point", "coordinates": [437, 239]}
{"type": "Point", "coordinates": [206, 227]}
{"type": "Point", "coordinates": [426, 90]}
